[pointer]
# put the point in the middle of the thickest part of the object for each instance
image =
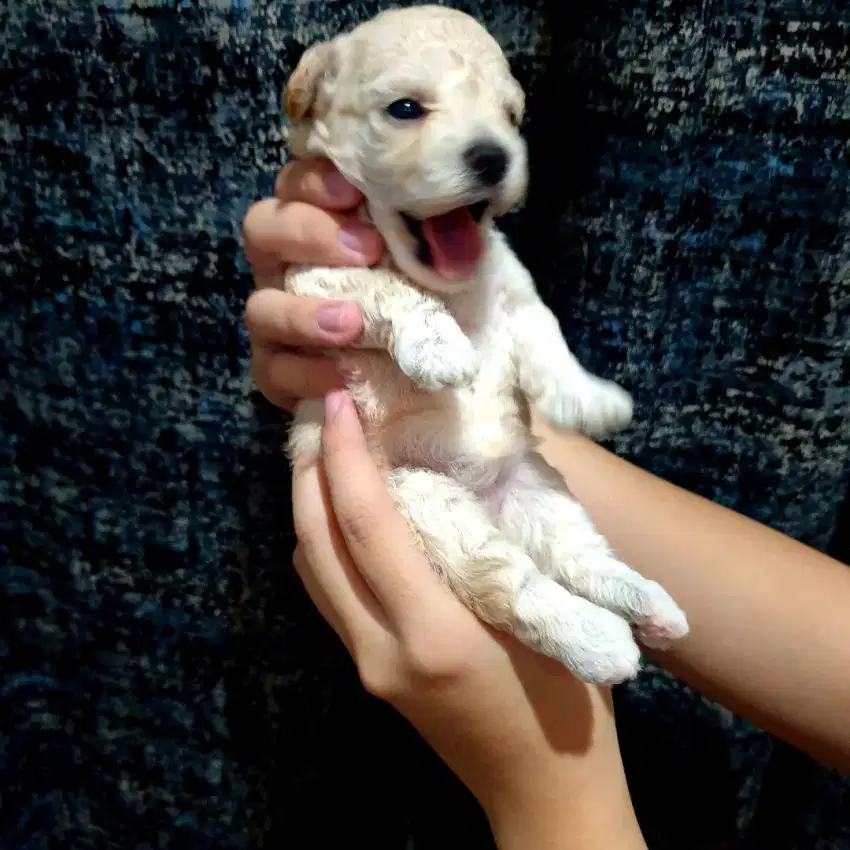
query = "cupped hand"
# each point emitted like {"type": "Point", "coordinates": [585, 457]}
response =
{"type": "Point", "coordinates": [311, 220]}
{"type": "Point", "coordinates": [529, 740]}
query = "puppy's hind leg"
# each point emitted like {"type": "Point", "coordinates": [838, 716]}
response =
{"type": "Point", "coordinates": [534, 508]}
{"type": "Point", "coordinates": [501, 584]}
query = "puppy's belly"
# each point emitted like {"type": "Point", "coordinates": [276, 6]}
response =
{"type": "Point", "coordinates": [473, 446]}
{"type": "Point", "coordinates": [471, 434]}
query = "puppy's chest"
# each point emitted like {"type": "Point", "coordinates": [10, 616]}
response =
{"type": "Point", "coordinates": [379, 381]}
{"type": "Point", "coordinates": [406, 424]}
{"type": "Point", "coordinates": [486, 324]}
{"type": "Point", "coordinates": [496, 374]}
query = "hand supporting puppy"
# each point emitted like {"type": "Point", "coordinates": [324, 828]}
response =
{"type": "Point", "coordinates": [416, 329]}
{"type": "Point", "coordinates": [537, 748]}
{"type": "Point", "coordinates": [311, 221]}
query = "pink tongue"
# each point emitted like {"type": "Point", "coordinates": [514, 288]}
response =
{"type": "Point", "coordinates": [456, 244]}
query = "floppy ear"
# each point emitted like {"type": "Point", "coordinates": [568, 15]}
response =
{"type": "Point", "coordinates": [302, 96]}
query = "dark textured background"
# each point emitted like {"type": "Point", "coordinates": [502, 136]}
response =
{"type": "Point", "coordinates": [165, 684]}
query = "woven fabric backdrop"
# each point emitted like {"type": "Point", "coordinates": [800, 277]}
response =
{"type": "Point", "coordinates": [165, 682]}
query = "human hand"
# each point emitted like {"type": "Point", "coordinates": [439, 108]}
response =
{"type": "Point", "coordinates": [537, 748]}
{"type": "Point", "coordinates": [309, 220]}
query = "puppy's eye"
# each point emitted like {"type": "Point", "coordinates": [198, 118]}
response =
{"type": "Point", "coordinates": [514, 117]}
{"type": "Point", "coordinates": [406, 110]}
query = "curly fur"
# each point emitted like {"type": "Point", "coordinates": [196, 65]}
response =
{"type": "Point", "coordinates": [447, 370]}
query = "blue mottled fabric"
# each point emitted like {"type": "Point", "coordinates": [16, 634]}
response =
{"type": "Point", "coordinates": [165, 682]}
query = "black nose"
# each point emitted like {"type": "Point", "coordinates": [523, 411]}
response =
{"type": "Point", "coordinates": [489, 161]}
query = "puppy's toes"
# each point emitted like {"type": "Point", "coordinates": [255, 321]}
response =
{"type": "Point", "coordinates": [595, 407]}
{"type": "Point", "coordinates": [610, 584]}
{"type": "Point", "coordinates": [595, 645]}
{"type": "Point", "coordinates": [607, 653]}
{"type": "Point", "coordinates": [607, 409]}
{"type": "Point", "coordinates": [436, 354]}
{"type": "Point", "coordinates": [663, 622]}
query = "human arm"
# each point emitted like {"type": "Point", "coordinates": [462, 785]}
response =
{"type": "Point", "coordinates": [535, 746]}
{"type": "Point", "coordinates": [770, 633]}
{"type": "Point", "coordinates": [766, 613]}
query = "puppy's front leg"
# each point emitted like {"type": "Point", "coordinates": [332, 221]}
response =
{"type": "Point", "coordinates": [415, 328]}
{"type": "Point", "coordinates": [548, 373]}
{"type": "Point", "coordinates": [553, 380]}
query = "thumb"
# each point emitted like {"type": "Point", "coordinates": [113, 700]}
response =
{"type": "Point", "coordinates": [377, 536]}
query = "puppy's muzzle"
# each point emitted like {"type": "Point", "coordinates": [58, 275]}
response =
{"type": "Point", "coordinates": [488, 161]}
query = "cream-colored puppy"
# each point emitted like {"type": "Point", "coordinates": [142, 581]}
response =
{"type": "Point", "coordinates": [418, 109]}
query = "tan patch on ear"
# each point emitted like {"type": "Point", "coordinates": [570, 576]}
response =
{"type": "Point", "coordinates": [302, 90]}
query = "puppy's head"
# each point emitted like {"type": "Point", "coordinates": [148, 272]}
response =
{"type": "Point", "coordinates": [419, 110]}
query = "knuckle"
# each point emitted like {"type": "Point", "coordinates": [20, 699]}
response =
{"type": "Point", "coordinates": [376, 683]}
{"type": "Point", "coordinates": [306, 551]}
{"type": "Point", "coordinates": [288, 375]}
{"type": "Point", "coordinates": [259, 367]}
{"type": "Point", "coordinates": [358, 525]}
{"type": "Point", "coordinates": [378, 676]}
{"type": "Point", "coordinates": [302, 180]}
{"type": "Point", "coordinates": [433, 663]}
{"type": "Point", "coordinates": [282, 181]}
{"type": "Point", "coordinates": [276, 317]}
{"type": "Point", "coordinates": [276, 390]}
{"type": "Point", "coordinates": [303, 377]}
{"type": "Point", "coordinates": [260, 377]}
{"type": "Point", "coordinates": [257, 307]}
{"type": "Point", "coordinates": [255, 219]}
{"type": "Point", "coordinates": [299, 225]}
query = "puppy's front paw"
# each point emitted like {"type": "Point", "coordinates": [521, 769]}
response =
{"type": "Point", "coordinates": [435, 353]}
{"type": "Point", "coordinates": [596, 407]}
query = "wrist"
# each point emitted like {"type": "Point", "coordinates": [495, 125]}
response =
{"type": "Point", "coordinates": [570, 794]}
{"type": "Point", "coordinates": [594, 821]}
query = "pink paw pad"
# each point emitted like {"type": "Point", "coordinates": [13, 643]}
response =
{"type": "Point", "coordinates": [658, 631]}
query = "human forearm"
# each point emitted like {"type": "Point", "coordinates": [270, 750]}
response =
{"type": "Point", "coordinates": [570, 793]}
{"type": "Point", "coordinates": [557, 827]}
{"type": "Point", "coordinates": [768, 615]}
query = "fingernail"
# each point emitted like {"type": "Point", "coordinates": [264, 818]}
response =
{"type": "Point", "coordinates": [333, 404]}
{"type": "Point", "coordinates": [355, 237]}
{"type": "Point", "coordinates": [337, 186]}
{"type": "Point", "coordinates": [338, 316]}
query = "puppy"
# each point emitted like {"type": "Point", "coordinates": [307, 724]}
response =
{"type": "Point", "coordinates": [418, 109]}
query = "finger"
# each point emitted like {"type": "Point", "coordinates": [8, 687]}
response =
{"type": "Point", "coordinates": [327, 569]}
{"type": "Point", "coordinates": [281, 376]}
{"type": "Point", "coordinates": [314, 590]}
{"type": "Point", "coordinates": [274, 317]}
{"type": "Point", "coordinates": [378, 538]}
{"type": "Point", "coordinates": [315, 181]}
{"type": "Point", "coordinates": [276, 234]}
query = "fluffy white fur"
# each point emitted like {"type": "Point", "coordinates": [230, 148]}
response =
{"type": "Point", "coordinates": [446, 370]}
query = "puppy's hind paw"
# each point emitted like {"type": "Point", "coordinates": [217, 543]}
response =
{"type": "Point", "coordinates": [593, 406]}
{"type": "Point", "coordinates": [594, 644]}
{"type": "Point", "coordinates": [435, 353]}
{"type": "Point", "coordinates": [606, 652]}
{"type": "Point", "coordinates": [664, 621]}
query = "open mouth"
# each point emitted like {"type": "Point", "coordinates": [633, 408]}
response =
{"type": "Point", "coordinates": [451, 244]}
